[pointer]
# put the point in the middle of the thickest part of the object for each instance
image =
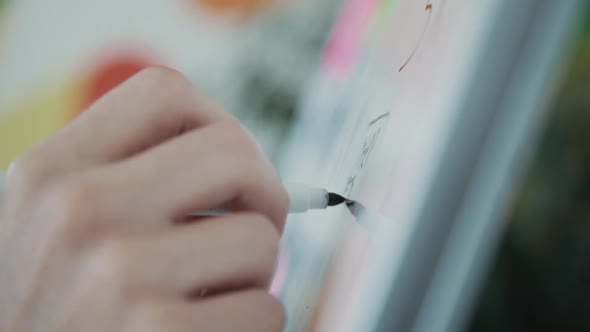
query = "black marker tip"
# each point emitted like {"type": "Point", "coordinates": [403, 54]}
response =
{"type": "Point", "coordinates": [335, 199]}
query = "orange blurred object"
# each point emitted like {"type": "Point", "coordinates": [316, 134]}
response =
{"type": "Point", "coordinates": [246, 7]}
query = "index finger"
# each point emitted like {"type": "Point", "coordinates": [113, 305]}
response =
{"type": "Point", "coordinates": [149, 108]}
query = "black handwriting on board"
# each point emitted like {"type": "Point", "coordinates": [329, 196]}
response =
{"type": "Point", "coordinates": [349, 185]}
{"type": "Point", "coordinates": [429, 10]}
{"type": "Point", "coordinates": [368, 145]}
{"type": "Point", "coordinates": [377, 119]}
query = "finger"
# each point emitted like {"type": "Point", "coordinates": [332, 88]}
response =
{"type": "Point", "coordinates": [201, 170]}
{"type": "Point", "coordinates": [218, 254]}
{"type": "Point", "coordinates": [251, 310]}
{"type": "Point", "coordinates": [151, 107]}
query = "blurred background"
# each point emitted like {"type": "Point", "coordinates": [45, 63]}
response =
{"type": "Point", "coordinates": [57, 57]}
{"type": "Point", "coordinates": [540, 280]}
{"type": "Point", "coordinates": [257, 57]}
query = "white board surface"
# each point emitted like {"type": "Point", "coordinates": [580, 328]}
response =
{"type": "Point", "coordinates": [375, 134]}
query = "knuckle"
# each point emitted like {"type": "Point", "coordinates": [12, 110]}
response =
{"type": "Point", "coordinates": [72, 200]}
{"type": "Point", "coordinates": [27, 172]}
{"type": "Point", "coordinates": [76, 205]}
{"type": "Point", "coordinates": [239, 140]}
{"type": "Point", "coordinates": [171, 89]}
{"type": "Point", "coordinates": [163, 77]}
{"type": "Point", "coordinates": [252, 171]}
{"type": "Point", "coordinates": [256, 178]}
{"type": "Point", "coordinates": [110, 265]}
{"type": "Point", "coordinates": [168, 85]}
{"type": "Point", "coordinates": [270, 308]}
{"type": "Point", "coordinates": [248, 175]}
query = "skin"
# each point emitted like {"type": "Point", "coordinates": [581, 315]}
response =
{"type": "Point", "coordinates": [92, 229]}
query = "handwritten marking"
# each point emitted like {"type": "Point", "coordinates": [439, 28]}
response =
{"type": "Point", "coordinates": [419, 43]}
{"type": "Point", "coordinates": [349, 185]}
{"type": "Point", "coordinates": [380, 117]}
{"type": "Point", "coordinates": [367, 147]}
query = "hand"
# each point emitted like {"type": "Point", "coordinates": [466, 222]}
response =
{"type": "Point", "coordinates": [93, 234]}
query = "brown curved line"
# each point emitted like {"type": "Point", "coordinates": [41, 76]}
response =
{"type": "Point", "coordinates": [429, 9]}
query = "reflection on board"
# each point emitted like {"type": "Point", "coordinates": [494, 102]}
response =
{"type": "Point", "coordinates": [365, 216]}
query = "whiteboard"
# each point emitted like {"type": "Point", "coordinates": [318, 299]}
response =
{"type": "Point", "coordinates": [374, 132]}
{"type": "Point", "coordinates": [375, 126]}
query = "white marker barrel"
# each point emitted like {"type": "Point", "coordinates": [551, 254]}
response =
{"type": "Point", "coordinates": [303, 198]}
